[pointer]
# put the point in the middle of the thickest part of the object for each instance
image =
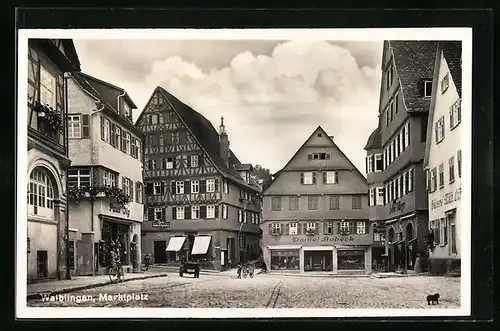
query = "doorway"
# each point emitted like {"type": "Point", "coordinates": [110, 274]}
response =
{"type": "Point", "coordinates": [160, 251]}
{"type": "Point", "coordinates": [318, 261]}
{"type": "Point", "coordinates": [42, 264]}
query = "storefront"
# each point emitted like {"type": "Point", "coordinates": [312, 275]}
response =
{"type": "Point", "coordinates": [308, 259]}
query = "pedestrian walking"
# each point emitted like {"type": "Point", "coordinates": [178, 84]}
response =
{"type": "Point", "coordinates": [147, 261]}
{"type": "Point", "coordinates": [239, 271]}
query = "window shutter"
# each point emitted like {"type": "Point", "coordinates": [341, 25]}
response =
{"type": "Point", "coordinates": [336, 177]}
{"type": "Point", "coordinates": [459, 111]}
{"type": "Point", "coordinates": [124, 133]}
{"type": "Point", "coordinates": [328, 156]}
{"type": "Point", "coordinates": [203, 186]}
{"type": "Point", "coordinates": [131, 190]}
{"type": "Point", "coordinates": [151, 214]}
{"type": "Point", "coordinates": [422, 88]}
{"type": "Point", "coordinates": [216, 185]}
{"type": "Point", "coordinates": [187, 187]}
{"type": "Point", "coordinates": [187, 212]}
{"type": "Point", "coordinates": [324, 227]}
{"type": "Point", "coordinates": [203, 212]}
{"type": "Point", "coordinates": [338, 226]}
{"type": "Point", "coordinates": [314, 177]}
{"type": "Point", "coordinates": [149, 188]}
{"type": "Point", "coordinates": [309, 156]}
{"type": "Point", "coordinates": [287, 229]}
{"type": "Point", "coordinates": [299, 228]}
{"type": "Point", "coordinates": [324, 177]}
{"type": "Point", "coordinates": [318, 224]}
{"type": "Point", "coordinates": [270, 228]}
{"type": "Point", "coordinates": [217, 208]}
{"type": "Point", "coordinates": [436, 131]}
{"type": "Point", "coordinates": [162, 188]}
{"type": "Point", "coordinates": [85, 126]}
{"type": "Point", "coordinates": [200, 159]}
{"type": "Point", "coordinates": [102, 127]}
{"type": "Point", "coordinates": [172, 187]}
{"type": "Point", "coordinates": [164, 213]}
{"type": "Point", "coordinates": [175, 163]}
{"type": "Point", "coordinates": [302, 178]}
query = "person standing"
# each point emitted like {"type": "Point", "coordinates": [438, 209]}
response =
{"type": "Point", "coordinates": [147, 261]}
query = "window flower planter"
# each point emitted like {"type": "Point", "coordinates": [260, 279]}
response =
{"type": "Point", "coordinates": [344, 232]}
{"type": "Point", "coordinates": [116, 196]}
{"type": "Point", "coordinates": [275, 233]}
{"type": "Point", "coordinates": [48, 114]}
{"type": "Point", "coordinates": [310, 232]}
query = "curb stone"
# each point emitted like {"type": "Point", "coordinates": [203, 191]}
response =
{"type": "Point", "coordinates": [38, 295]}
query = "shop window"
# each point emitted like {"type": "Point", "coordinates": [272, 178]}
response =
{"type": "Point", "coordinates": [285, 260]}
{"type": "Point", "coordinates": [318, 260]}
{"type": "Point", "coordinates": [351, 260]}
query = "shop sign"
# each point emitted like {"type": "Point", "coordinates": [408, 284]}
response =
{"type": "Point", "coordinates": [161, 224]}
{"type": "Point", "coordinates": [447, 199]}
{"type": "Point", "coordinates": [397, 206]}
{"type": "Point", "coordinates": [323, 239]}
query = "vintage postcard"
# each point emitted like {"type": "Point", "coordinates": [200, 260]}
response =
{"type": "Point", "coordinates": [277, 173]}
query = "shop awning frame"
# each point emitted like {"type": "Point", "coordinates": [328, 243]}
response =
{"type": "Point", "coordinates": [284, 247]}
{"type": "Point", "coordinates": [201, 245]}
{"type": "Point", "coordinates": [318, 248]}
{"type": "Point", "coordinates": [175, 244]}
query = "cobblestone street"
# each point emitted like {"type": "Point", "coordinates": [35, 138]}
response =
{"type": "Point", "coordinates": [263, 291]}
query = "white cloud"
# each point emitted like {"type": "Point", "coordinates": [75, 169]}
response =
{"type": "Point", "coordinates": [273, 102]}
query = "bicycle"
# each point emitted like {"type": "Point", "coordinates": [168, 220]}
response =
{"type": "Point", "coordinates": [116, 273]}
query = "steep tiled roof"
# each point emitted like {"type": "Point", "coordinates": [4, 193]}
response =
{"type": "Point", "coordinates": [374, 141]}
{"type": "Point", "coordinates": [207, 137]}
{"type": "Point", "coordinates": [414, 61]}
{"type": "Point", "coordinates": [452, 51]}
{"type": "Point", "coordinates": [108, 91]}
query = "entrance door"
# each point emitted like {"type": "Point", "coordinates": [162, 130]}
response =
{"type": "Point", "coordinates": [318, 261]}
{"type": "Point", "coordinates": [160, 251]}
{"type": "Point", "coordinates": [84, 257]}
{"type": "Point", "coordinates": [42, 264]}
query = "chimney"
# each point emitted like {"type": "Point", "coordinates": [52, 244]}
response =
{"type": "Point", "coordinates": [223, 143]}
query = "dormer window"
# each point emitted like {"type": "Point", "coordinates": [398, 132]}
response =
{"type": "Point", "coordinates": [427, 88]}
{"type": "Point", "coordinates": [126, 109]}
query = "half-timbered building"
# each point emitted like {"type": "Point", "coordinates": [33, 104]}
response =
{"type": "Point", "coordinates": [48, 61]}
{"type": "Point", "coordinates": [105, 178]}
{"type": "Point", "coordinates": [201, 201]}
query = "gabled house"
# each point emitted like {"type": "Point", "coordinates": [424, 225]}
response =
{"type": "Point", "coordinates": [395, 151]}
{"type": "Point", "coordinates": [105, 177]}
{"type": "Point", "coordinates": [443, 159]}
{"type": "Point", "coordinates": [49, 60]}
{"type": "Point", "coordinates": [201, 202]}
{"type": "Point", "coordinates": [316, 212]}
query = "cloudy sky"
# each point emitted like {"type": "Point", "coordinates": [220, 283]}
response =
{"type": "Point", "coordinates": [272, 94]}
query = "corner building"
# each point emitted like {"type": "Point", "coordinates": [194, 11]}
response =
{"type": "Point", "coordinates": [395, 152]}
{"type": "Point", "coordinates": [443, 159]}
{"type": "Point", "coordinates": [316, 213]}
{"type": "Point", "coordinates": [49, 62]}
{"type": "Point", "coordinates": [201, 202]}
{"type": "Point", "coordinates": [105, 177]}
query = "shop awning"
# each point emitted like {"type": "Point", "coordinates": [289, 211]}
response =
{"type": "Point", "coordinates": [201, 244]}
{"type": "Point", "coordinates": [284, 247]}
{"type": "Point", "coordinates": [175, 244]}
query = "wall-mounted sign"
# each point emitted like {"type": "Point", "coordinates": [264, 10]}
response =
{"type": "Point", "coordinates": [323, 239]}
{"type": "Point", "coordinates": [161, 224]}
{"type": "Point", "coordinates": [448, 198]}
{"type": "Point", "coordinates": [397, 206]}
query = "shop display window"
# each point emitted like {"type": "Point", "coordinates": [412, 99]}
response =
{"type": "Point", "coordinates": [285, 260]}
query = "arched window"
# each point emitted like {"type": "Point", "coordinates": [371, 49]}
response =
{"type": "Point", "coordinates": [41, 193]}
{"type": "Point", "coordinates": [391, 235]}
{"type": "Point", "coordinates": [409, 232]}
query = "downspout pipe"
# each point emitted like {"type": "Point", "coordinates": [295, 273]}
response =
{"type": "Point", "coordinates": [118, 101]}
{"type": "Point", "coordinates": [65, 82]}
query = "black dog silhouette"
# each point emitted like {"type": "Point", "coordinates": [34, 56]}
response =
{"type": "Point", "coordinates": [434, 298]}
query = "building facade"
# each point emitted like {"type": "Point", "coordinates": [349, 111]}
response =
{"type": "Point", "coordinates": [201, 201]}
{"type": "Point", "coordinates": [395, 151]}
{"type": "Point", "coordinates": [443, 159]}
{"type": "Point", "coordinates": [48, 62]}
{"type": "Point", "coordinates": [316, 212]}
{"type": "Point", "coordinates": [374, 166]}
{"type": "Point", "coordinates": [105, 178]}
